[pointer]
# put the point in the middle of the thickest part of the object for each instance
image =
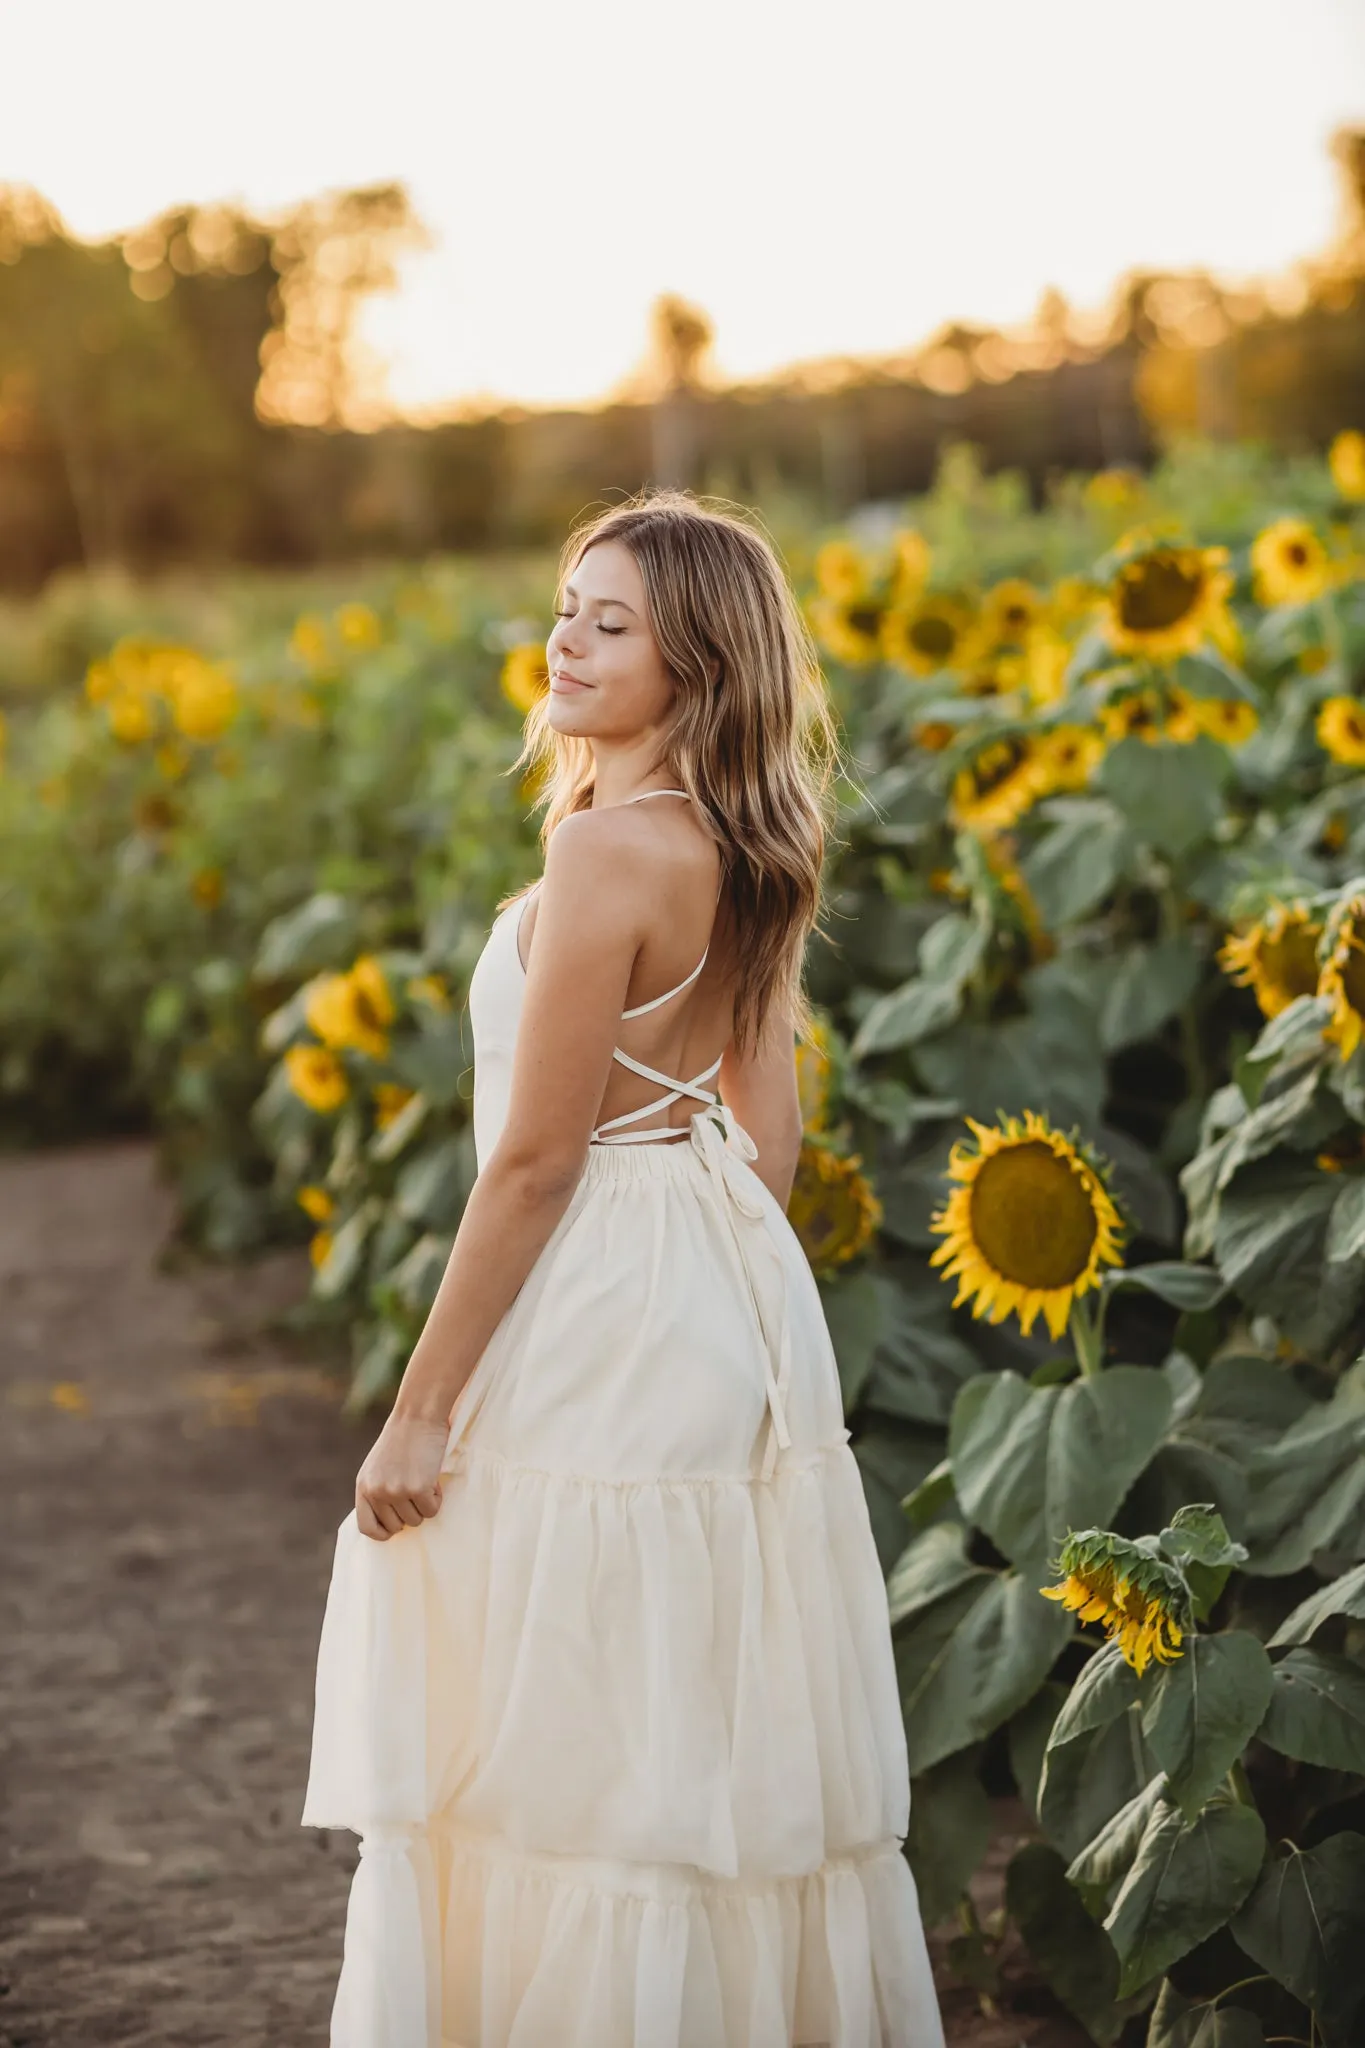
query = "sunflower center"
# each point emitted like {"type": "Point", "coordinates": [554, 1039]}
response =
{"type": "Point", "coordinates": [995, 765]}
{"type": "Point", "coordinates": [934, 635]}
{"type": "Point", "coordinates": [864, 619]}
{"type": "Point", "coordinates": [1296, 554]}
{"type": "Point", "coordinates": [1032, 1218]}
{"type": "Point", "coordinates": [1156, 592]}
{"type": "Point", "coordinates": [1291, 960]}
{"type": "Point", "coordinates": [366, 1011]}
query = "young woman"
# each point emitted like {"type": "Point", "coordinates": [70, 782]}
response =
{"type": "Point", "coordinates": [605, 1682]}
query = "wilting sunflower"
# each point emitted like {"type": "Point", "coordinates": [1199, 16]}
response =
{"type": "Point", "coordinates": [1289, 563]}
{"type": "Point", "coordinates": [998, 785]}
{"type": "Point", "coordinates": [1166, 600]}
{"type": "Point", "coordinates": [353, 1009]}
{"type": "Point", "coordinates": [1342, 980]}
{"type": "Point", "coordinates": [390, 1099]}
{"type": "Point", "coordinates": [315, 1202]}
{"type": "Point", "coordinates": [1277, 958]}
{"type": "Point", "coordinates": [814, 1077]}
{"type": "Point", "coordinates": [1341, 730]}
{"type": "Point", "coordinates": [316, 1076]}
{"type": "Point", "coordinates": [1346, 459]}
{"type": "Point", "coordinates": [1029, 1227]}
{"type": "Point", "coordinates": [525, 675]}
{"type": "Point", "coordinates": [1067, 757]}
{"type": "Point", "coordinates": [832, 1209]}
{"type": "Point", "coordinates": [1143, 1602]}
{"type": "Point", "coordinates": [926, 636]}
{"type": "Point", "coordinates": [1009, 612]}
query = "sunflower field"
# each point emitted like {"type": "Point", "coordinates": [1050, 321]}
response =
{"type": "Point", "coordinates": [1083, 1181]}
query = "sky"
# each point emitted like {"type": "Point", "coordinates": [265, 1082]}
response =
{"type": "Point", "coordinates": [822, 179]}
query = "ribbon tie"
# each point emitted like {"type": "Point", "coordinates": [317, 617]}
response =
{"type": "Point", "coordinates": [723, 1143]}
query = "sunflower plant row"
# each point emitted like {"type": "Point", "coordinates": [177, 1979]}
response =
{"type": "Point", "coordinates": [1093, 1027]}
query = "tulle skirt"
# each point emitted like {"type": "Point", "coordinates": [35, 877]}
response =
{"type": "Point", "coordinates": [618, 1727]}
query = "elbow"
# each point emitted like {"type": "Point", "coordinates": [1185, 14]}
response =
{"type": "Point", "coordinates": [533, 1176]}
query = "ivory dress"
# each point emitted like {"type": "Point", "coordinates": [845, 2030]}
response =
{"type": "Point", "coordinates": [618, 1727]}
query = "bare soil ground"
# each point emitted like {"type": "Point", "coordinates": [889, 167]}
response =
{"type": "Point", "coordinates": [173, 1474]}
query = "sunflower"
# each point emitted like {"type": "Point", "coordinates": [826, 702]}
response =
{"type": "Point", "coordinates": [525, 675]}
{"type": "Point", "coordinates": [359, 626]}
{"type": "Point", "coordinates": [848, 628]}
{"type": "Point", "coordinates": [1289, 563]}
{"type": "Point", "coordinates": [320, 1247]}
{"type": "Point", "coordinates": [926, 636]}
{"type": "Point", "coordinates": [430, 989]}
{"type": "Point", "coordinates": [998, 785]}
{"type": "Point", "coordinates": [1046, 655]}
{"type": "Point", "coordinates": [934, 735]}
{"type": "Point", "coordinates": [814, 1077]}
{"type": "Point", "coordinates": [1150, 715]}
{"type": "Point", "coordinates": [1143, 1602]}
{"type": "Point", "coordinates": [1277, 957]}
{"type": "Point", "coordinates": [131, 717]}
{"type": "Point", "coordinates": [1030, 1225]}
{"type": "Point", "coordinates": [391, 1098]}
{"type": "Point", "coordinates": [1114, 490]}
{"type": "Point", "coordinates": [352, 1009]}
{"type": "Point", "coordinates": [316, 1076]}
{"type": "Point", "coordinates": [1342, 980]}
{"type": "Point", "coordinates": [1341, 730]}
{"type": "Point", "coordinates": [1010, 611]}
{"type": "Point", "coordinates": [206, 887]}
{"type": "Point", "coordinates": [203, 699]}
{"type": "Point", "coordinates": [315, 1202]}
{"type": "Point", "coordinates": [832, 1208]}
{"type": "Point", "coordinates": [1346, 459]}
{"type": "Point", "coordinates": [1166, 600]}
{"type": "Point", "coordinates": [910, 560]}
{"type": "Point", "coordinates": [1230, 720]}
{"type": "Point", "coordinates": [841, 572]}
{"type": "Point", "coordinates": [1067, 757]}
{"type": "Point", "coordinates": [310, 642]}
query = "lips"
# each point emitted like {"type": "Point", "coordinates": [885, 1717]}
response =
{"type": "Point", "coordinates": [566, 681]}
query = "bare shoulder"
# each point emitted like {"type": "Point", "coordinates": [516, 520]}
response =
{"type": "Point", "coordinates": [602, 866]}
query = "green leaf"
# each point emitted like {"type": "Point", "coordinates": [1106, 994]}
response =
{"type": "Point", "coordinates": [1028, 1735]}
{"type": "Point", "coordinates": [1187, 1880]}
{"type": "Point", "coordinates": [1197, 1534]}
{"type": "Point", "coordinates": [1149, 984]}
{"type": "Point", "coordinates": [1104, 1863]}
{"type": "Point", "coordinates": [342, 1263]}
{"type": "Point", "coordinates": [1297, 1029]}
{"type": "Point", "coordinates": [1105, 1687]}
{"type": "Point", "coordinates": [1029, 1463]}
{"type": "Point", "coordinates": [1207, 674]}
{"type": "Point", "coordinates": [1317, 1711]}
{"type": "Point", "coordinates": [1346, 1225]}
{"type": "Point", "coordinates": [971, 1661]}
{"type": "Point", "coordinates": [1188, 1288]}
{"type": "Point", "coordinates": [1305, 1924]}
{"type": "Point", "coordinates": [935, 1563]}
{"type": "Point", "coordinates": [950, 953]}
{"type": "Point", "coordinates": [399, 1132]}
{"type": "Point", "coordinates": [1179, 2023]}
{"type": "Point", "coordinates": [1269, 1243]}
{"type": "Point", "coordinates": [1345, 1595]}
{"type": "Point", "coordinates": [433, 1185]}
{"type": "Point", "coordinates": [1073, 1955]}
{"type": "Point", "coordinates": [1077, 863]}
{"type": "Point", "coordinates": [378, 1372]}
{"type": "Point", "coordinates": [949, 1833]}
{"type": "Point", "coordinates": [1171, 795]}
{"type": "Point", "coordinates": [856, 1312]}
{"type": "Point", "coordinates": [934, 1491]}
{"type": "Point", "coordinates": [1087, 1781]}
{"type": "Point", "coordinates": [1025, 1063]}
{"type": "Point", "coordinates": [920, 1361]}
{"type": "Point", "coordinates": [434, 1061]}
{"type": "Point", "coordinates": [418, 1275]}
{"type": "Point", "coordinates": [321, 933]}
{"type": "Point", "coordinates": [1204, 1709]}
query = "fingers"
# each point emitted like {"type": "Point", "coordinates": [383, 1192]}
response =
{"type": "Point", "coordinates": [382, 1515]}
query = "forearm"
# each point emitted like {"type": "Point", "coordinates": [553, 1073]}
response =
{"type": "Point", "coordinates": [507, 1221]}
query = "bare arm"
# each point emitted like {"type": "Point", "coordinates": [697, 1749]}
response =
{"type": "Point", "coordinates": [591, 920]}
{"type": "Point", "coordinates": [761, 1090]}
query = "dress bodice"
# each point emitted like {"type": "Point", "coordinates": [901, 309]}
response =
{"type": "Point", "coordinates": [495, 997]}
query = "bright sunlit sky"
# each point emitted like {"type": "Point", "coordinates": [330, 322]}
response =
{"type": "Point", "coordinates": [822, 178]}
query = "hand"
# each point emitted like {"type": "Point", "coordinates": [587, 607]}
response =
{"type": "Point", "coordinates": [399, 1484]}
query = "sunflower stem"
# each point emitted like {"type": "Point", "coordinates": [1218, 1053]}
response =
{"type": "Point", "coordinates": [1087, 1337]}
{"type": "Point", "coordinates": [1240, 1785]}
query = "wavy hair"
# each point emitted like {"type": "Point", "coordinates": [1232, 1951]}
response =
{"type": "Point", "coordinates": [756, 748]}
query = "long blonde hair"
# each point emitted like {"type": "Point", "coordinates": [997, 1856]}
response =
{"type": "Point", "coordinates": [756, 748]}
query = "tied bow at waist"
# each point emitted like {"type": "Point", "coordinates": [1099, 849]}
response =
{"type": "Point", "coordinates": [726, 1149]}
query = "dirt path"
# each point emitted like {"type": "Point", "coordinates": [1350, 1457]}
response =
{"type": "Point", "coordinates": [172, 1481]}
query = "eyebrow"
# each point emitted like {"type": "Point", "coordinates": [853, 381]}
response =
{"type": "Point", "coordinates": [569, 591]}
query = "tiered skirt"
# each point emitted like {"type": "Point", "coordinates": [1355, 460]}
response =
{"type": "Point", "coordinates": [618, 1727]}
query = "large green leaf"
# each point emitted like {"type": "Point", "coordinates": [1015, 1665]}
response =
{"type": "Point", "coordinates": [950, 953]}
{"type": "Point", "coordinates": [1105, 1862]}
{"type": "Point", "coordinates": [321, 933]}
{"type": "Point", "coordinates": [1148, 985]}
{"type": "Point", "coordinates": [1088, 1780]}
{"type": "Point", "coordinates": [1029, 1463]}
{"type": "Point", "coordinates": [1015, 1066]}
{"type": "Point", "coordinates": [1076, 864]}
{"type": "Point", "coordinates": [1187, 1880]}
{"type": "Point", "coordinates": [949, 1833]}
{"type": "Point", "coordinates": [1179, 2023]}
{"type": "Point", "coordinates": [1204, 1709]}
{"type": "Point", "coordinates": [1309, 1487]}
{"type": "Point", "coordinates": [1171, 795]}
{"type": "Point", "coordinates": [1305, 1924]}
{"type": "Point", "coordinates": [1346, 1225]}
{"type": "Point", "coordinates": [856, 1310]}
{"type": "Point", "coordinates": [1317, 1711]}
{"type": "Point", "coordinates": [1189, 1288]}
{"type": "Point", "coordinates": [434, 1183]}
{"type": "Point", "coordinates": [1105, 1687]}
{"type": "Point", "coordinates": [1345, 1595]}
{"type": "Point", "coordinates": [935, 1563]}
{"type": "Point", "coordinates": [1269, 1244]}
{"type": "Point", "coordinates": [1028, 1735]}
{"type": "Point", "coordinates": [1072, 1953]}
{"type": "Point", "coordinates": [920, 1361]}
{"type": "Point", "coordinates": [893, 1457]}
{"type": "Point", "coordinates": [973, 1660]}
